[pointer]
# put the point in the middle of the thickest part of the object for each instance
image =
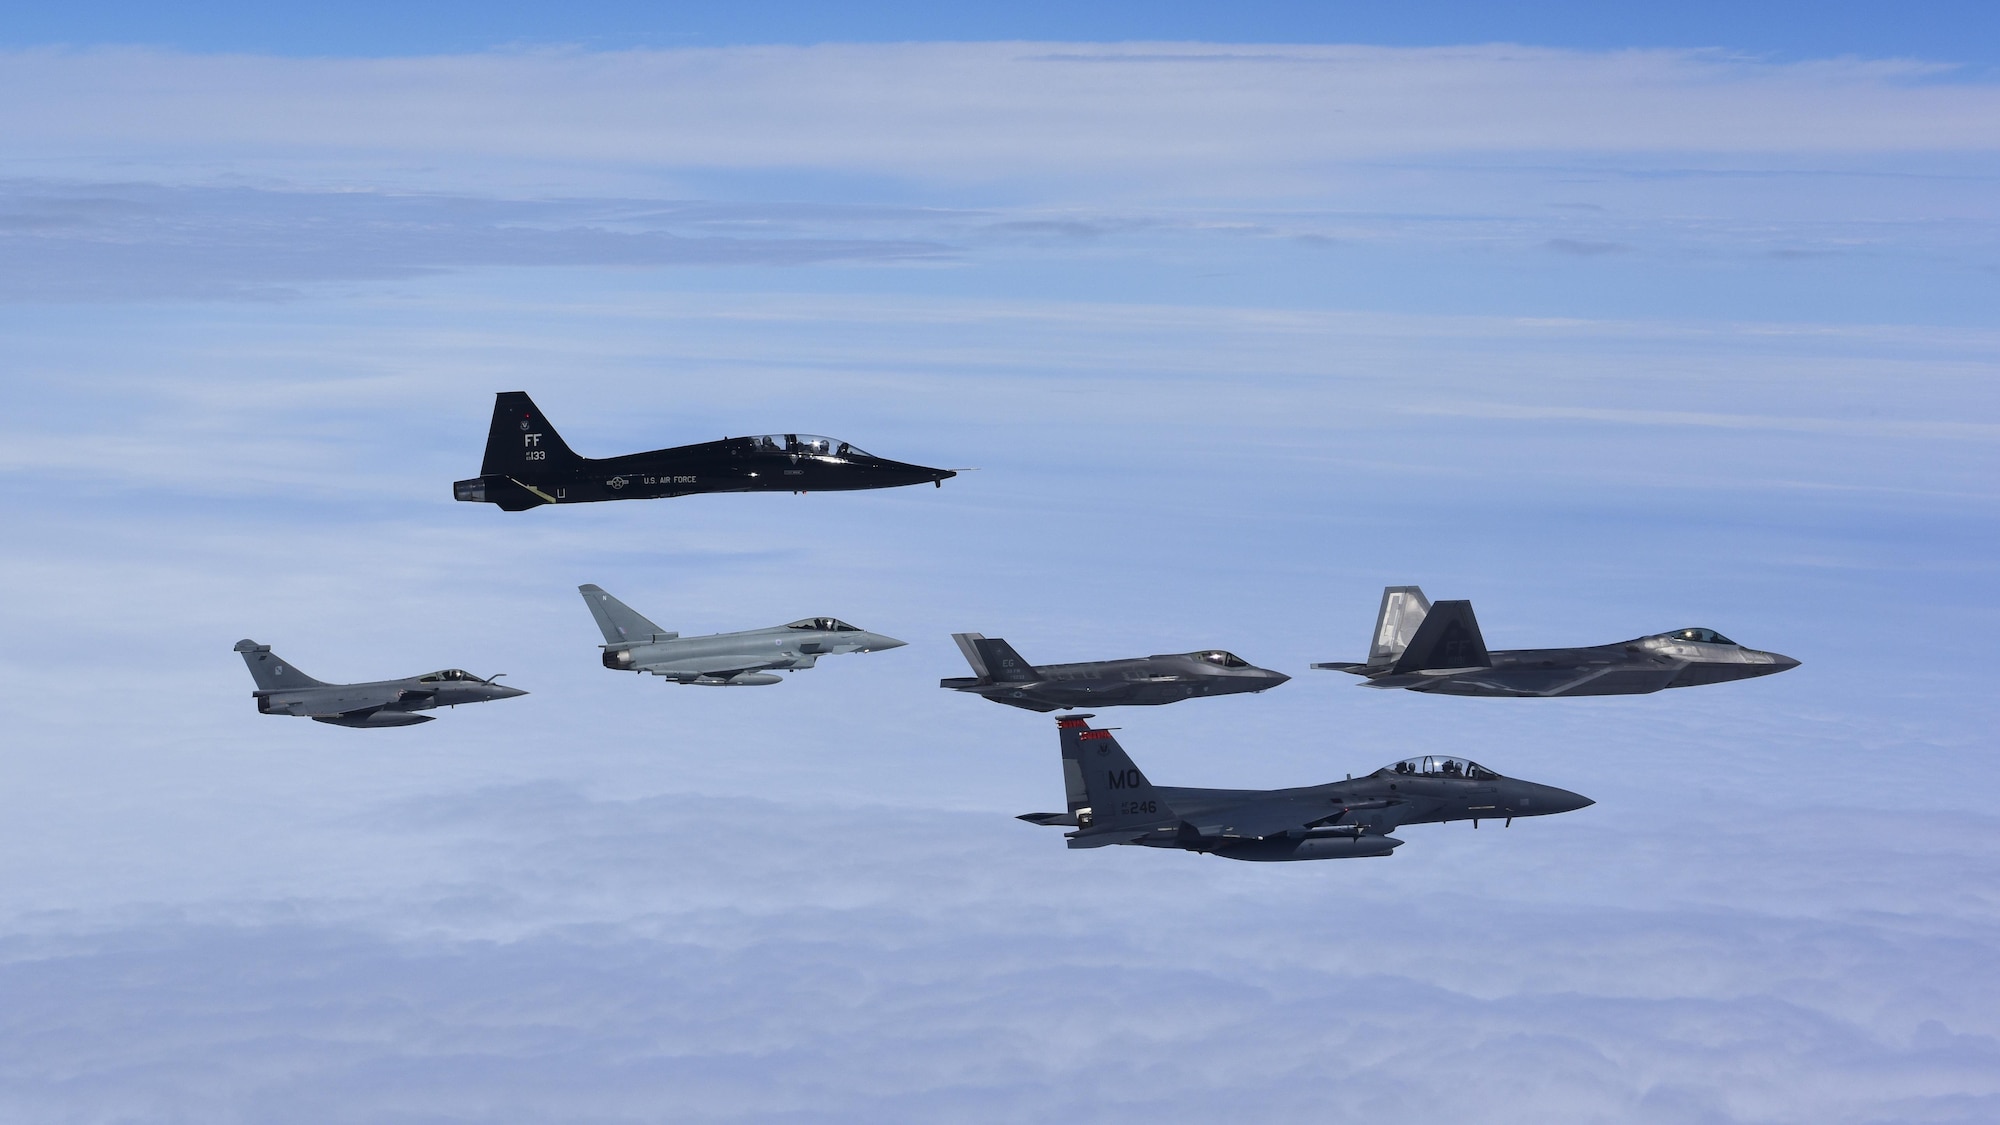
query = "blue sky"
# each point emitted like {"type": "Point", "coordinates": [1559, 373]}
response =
{"type": "Point", "coordinates": [1605, 332]}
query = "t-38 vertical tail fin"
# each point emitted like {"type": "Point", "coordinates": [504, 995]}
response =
{"type": "Point", "coordinates": [521, 444]}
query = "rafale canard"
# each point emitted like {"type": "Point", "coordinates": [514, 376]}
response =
{"type": "Point", "coordinates": [1438, 649]}
{"type": "Point", "coordinates": [528, 464]}
{"type": "Point", "coordinates": [284, 690]}
{"type": "Point", "coordinates": [1112, 802]}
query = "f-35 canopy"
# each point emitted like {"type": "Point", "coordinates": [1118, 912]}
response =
{"type": "Point", "coordinates": [1432, 765]}
{"type": "Point", "coordinates": [1222, 659]}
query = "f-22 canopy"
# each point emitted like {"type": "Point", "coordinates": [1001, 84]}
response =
{"type": "Point", "coordinates": [1438, 649]}
{"type": "Point", "coordinates": [528, 464]}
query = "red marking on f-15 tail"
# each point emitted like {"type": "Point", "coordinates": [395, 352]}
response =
{"type": "Point", "coordinates": [1095, 734]}
{"type": "Point", "coordinates": [1071, 724]}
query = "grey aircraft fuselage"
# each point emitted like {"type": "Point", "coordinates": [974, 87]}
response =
{"type": "Point", "coordinates": [1438, 649]}
{"type": "Point", "coordinates": [284, 690]}
{"type": "Point", "coordinates": [742, 659]}
{"type": "Point", "coordinates": [1150, 681]}
{"type": "Point", "coordinates": [1112, 802]}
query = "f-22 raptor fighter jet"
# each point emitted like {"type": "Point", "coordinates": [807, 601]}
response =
{"type": "Point", "coordinates": [745, 659]}
{"type": "Point", "coordinates": [1004, 677]}
{"type": "Point", "coordinates": [528, 464]}
{"type": "Point", "coordinates": [1438, 649]}
{"type": "Point", "coordinates": [284, 690]}
{"type": "Point", "coordinates": [1112, 802]}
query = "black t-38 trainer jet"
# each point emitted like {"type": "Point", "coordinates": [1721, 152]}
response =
{"type": "Point", "coordinates": [528, 464]}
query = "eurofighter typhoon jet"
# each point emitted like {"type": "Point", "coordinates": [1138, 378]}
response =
{"type": "Point", "coordinates": [528, 464]}
{"type": "Point", "coordinates": [284, 690]}
{"type": "Point", "coordinates": [1112, 802]}
{"type": "Point", "coordinates": [745, 659]}
{"type": "Point", "coordinates": [1438, 649]}
{"type": "Point", "coordinates": [1004, 677]}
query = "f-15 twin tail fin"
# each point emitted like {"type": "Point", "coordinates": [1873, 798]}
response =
{"type": "Point", "coordinates": [621, 625]}
{"type": "Point", "coordinates": [1118, 802]}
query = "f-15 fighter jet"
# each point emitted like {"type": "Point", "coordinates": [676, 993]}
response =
{"type": "Point", "coordinates": [1112, 802]}
{"type": "Point", "coordinates": [1004, 677]}
{"type": "Point", "coordinates": [284, 690]}
{"type": "Point", "coordinates": [528, 464]}
{"type": "Point", "coordinates": [634, 644]}
{"type": "Point", "coordinates": [1438, 649]}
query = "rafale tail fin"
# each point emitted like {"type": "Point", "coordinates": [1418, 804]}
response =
{"type": "Point", "coordinates": [270, 670]}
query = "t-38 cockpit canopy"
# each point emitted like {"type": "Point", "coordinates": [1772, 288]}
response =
{"type": "Point", "coordinates": [824, 625]}
{"type": "Point", "coordinates": [1703, 636]}
{"type": "Point", "coordinates": [1432, 765]}
{"type": "Point", "coordinates": [805, 445]}
{"type": "Point", "coordinates": [450, 675]}
{"type": "Point", "coordinates": [1222, 659]}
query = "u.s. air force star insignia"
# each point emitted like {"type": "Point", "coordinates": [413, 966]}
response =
{"type": "Point", "coordinates": [617, 482]}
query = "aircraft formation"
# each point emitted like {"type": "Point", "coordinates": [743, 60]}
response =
{"type": "Point", "coordinates": [1417, 645]}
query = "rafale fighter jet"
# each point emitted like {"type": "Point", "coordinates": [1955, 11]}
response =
{"type": "Point", "coordinates": [528, 464]}
{"type": "Point", "coordinates": [1004, 677]}
{"type": "Point", "coordinates": [634, 644]}
{"type": "Point", "coordinates": [1111, 802]}
{"type": "Point", "coordinates": [1438, 649]}
{"type": "Point", "coordinates": [284, 690]}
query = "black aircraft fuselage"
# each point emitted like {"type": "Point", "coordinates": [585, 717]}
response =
{"type": "Point", "coordinates": [528, 464]}
{"type": "Point", "coordinates": [1111, 801]}
{"type": "Point", "coordinates": [1148, 681]}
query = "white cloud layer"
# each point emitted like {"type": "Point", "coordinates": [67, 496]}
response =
{"type": "Point", "coordinates": [1157, 119]}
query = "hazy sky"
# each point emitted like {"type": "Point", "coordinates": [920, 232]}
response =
{"type": "Point", "coordinates": [1612, 327]}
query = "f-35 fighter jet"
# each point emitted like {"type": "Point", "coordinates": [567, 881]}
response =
{"type": "Point", "coordinates": [284, 690]}
{"type": "Point", "coordinates": [634, 644]}
{"type": "Point", "coordinates": [528, 464]}
{"type": "Point", "coordinates": [1112, 802]}
{"type": "Point", "coordinates": [1004, 677]}
{"type": "Point", "coordinates": [1438, 649]}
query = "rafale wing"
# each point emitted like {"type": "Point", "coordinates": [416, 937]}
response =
{"type": "Point", "coordinates": [350, 701]}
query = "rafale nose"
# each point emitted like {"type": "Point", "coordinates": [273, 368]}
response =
{"type": "Point", "coordinates": [501, 691]}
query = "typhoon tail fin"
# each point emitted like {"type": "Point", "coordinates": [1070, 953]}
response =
{"type": "Point", "coordinates": [994, 660]}
{"type": "Point", "coordinates": [1117, 799]}
{"type": "Point", "coordinates": [1403, 611]}
{"type": "Point", "coordinates": [620, 623]}
{"type": "Point", "coordinates": [1448, 638]}
{"type": "Point", "coordinates": [270, 670]}
{"type": "Point", "coordinates": [521, 444]}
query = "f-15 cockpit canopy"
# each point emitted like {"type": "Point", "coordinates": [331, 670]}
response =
{"type": "Point", "coordinates": [1431, 765]}
{"type": "Point", "coordinates": [1222, 659]}
{"type": "Point", "coordinates": [804, 445]}
{"type": "Point", "coordinates": [450, 675]}
{"type": "Point", "coordinates": [824, 625]}
{"type": "Point", "coordinates": [1703, 636]}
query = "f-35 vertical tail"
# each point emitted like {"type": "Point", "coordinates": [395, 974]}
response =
{"type": "Point", "coordinates": [521, 444]}
{"type": "Point", "coordinates": [620, 623]}
{"type": "Point", "coordinates": [994, 660]}
{"type": "Point", "coordinates": [270, 670]}
{"type": "Point", "coordinates": [1448, 638]}
{"type": "Point", "coordinates": [1120, 803]}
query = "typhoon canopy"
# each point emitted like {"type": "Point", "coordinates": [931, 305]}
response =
{"type": "Point", "coordinates": [284, 690]}
{"type": "Point", "coordinates": [1112, 802]}
{"type": "Point", "coordinates": [528, 464]}
{"type": "Point", "coordinates": [1438, 649]}
{"type": "Point", "coordinates": [745, 659]}
{"type": "Point", "coordinates": [1004, 677]}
